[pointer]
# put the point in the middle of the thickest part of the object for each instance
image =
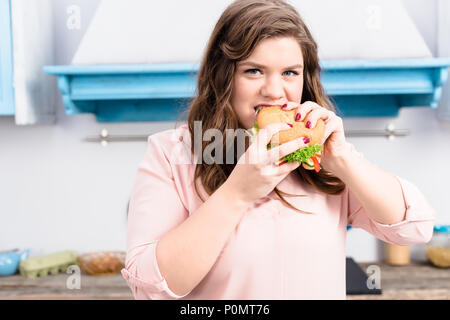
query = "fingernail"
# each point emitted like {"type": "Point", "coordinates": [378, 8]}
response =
{"type": "Point", "coordinates": [284, 106]}
{"type": "Point", "coordinates": [308, 124]}
{"type": "Point", "coordinates": [290, 125]}
{"type": "Point", "coordinates": [306, 140]}
{"type": "Point", "coordinates": [298, 117]}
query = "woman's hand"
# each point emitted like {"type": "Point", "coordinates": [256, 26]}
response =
{"type": "Point", "coordinates": [335, 147]}
{"type": "Point", "coordinates": [256, 174]}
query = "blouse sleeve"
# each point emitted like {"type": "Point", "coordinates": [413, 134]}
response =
{"type": "Point", "coordinates": [155, 208]}
{"type": "Point", "coordinates": [417, 226]}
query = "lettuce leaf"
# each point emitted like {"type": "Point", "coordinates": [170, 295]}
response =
{"type": "Point", "coordinates": [303, 154]}
{"type": "Point", "coordinates": [300, 155]}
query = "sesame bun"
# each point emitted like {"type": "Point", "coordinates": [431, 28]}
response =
{"type": "Point", "coordinates": [272, 114]}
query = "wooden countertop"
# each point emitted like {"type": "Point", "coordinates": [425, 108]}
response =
{"type": "Point", "coordinates": [419, 280]}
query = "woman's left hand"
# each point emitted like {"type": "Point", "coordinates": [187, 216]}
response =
{"type": "Point", "coordinates": [335, 147]}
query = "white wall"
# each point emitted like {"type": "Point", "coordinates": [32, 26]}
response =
{"type": "Point", "coordinates": [58, 192]}
{"type": "Point", "coordinates": [424, 13]}
{"type": "Point", "coordinates": [443, 50]}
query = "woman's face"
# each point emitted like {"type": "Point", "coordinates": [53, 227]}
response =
{"type": "Point", "coordinates": [271, 75]}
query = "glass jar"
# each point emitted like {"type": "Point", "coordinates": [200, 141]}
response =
{"type": "Point", "coordinates": [438, 249]}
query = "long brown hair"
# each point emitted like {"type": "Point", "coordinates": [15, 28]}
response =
{"type": "Point", "coordinates": [239, 30]}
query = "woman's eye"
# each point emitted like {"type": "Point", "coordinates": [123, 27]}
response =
{"type": "Point", "coordinates": [252, 71]}
{"type": "Point", "coordinates": [292, 72]}
{"type": "Point", "coordinates": [255, 71]}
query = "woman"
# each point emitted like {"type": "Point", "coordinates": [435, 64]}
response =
{"type": "Point", "coordinates": [233, 234]}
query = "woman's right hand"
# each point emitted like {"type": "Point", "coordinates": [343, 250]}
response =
{"type": "Point", "coordinates": [256, 174]}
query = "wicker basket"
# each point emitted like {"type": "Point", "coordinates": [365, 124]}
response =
{"type": "Point", "coordinates": [102, 263]}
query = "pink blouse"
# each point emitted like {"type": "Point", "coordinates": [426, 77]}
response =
{"type": "Point", "coordinates": [275, 252]}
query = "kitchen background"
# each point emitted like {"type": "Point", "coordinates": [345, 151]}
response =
{"type": "Point", "coordinates": [60, 193]}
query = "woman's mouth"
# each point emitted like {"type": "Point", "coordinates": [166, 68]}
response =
{"type": "Point", "coordinates": [259, 107]}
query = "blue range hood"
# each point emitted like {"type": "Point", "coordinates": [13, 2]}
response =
{"type": "Point", "coordinates": [161, 92]}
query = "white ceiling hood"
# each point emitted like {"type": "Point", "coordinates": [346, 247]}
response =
{"type": "Point", "coordinates": [141, 31]}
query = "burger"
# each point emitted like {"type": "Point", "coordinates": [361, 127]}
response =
{"type": "Point", "coordinates": [309, 156]}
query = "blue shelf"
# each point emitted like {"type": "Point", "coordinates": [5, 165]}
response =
{"type": "Point", "coordinates": [160, 92]}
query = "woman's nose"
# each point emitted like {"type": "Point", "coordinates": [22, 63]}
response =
{"type": "Point", "coordinates": [272, 88]}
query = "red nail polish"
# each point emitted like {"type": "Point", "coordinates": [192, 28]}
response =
{"type": "Point", "coordinates": [306, 140]}
{"type": "Point", "coordinates": [290, 125]}
{"type": "Point", "coordinates": [284, 106]}
{"type": "Point", "coordinates": [308, 124]}
{"type": "Point", "coordinates": [298, 116]}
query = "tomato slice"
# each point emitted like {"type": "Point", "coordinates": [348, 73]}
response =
{"type": "Point", "coordinates": [318, 155]}
{"type": "Point", "coordinates": [281, 163]}
{"type": "Point", "coordinates": [316, 164]}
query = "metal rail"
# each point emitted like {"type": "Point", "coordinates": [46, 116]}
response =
{"type": "Point", "coordinates": [390, 132]}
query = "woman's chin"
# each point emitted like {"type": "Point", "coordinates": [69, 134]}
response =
{"type": "Point", "coordinates": [246, 124]}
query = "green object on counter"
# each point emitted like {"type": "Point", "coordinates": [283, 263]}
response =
{"type": "Point", "coordinates": [43, 265]}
